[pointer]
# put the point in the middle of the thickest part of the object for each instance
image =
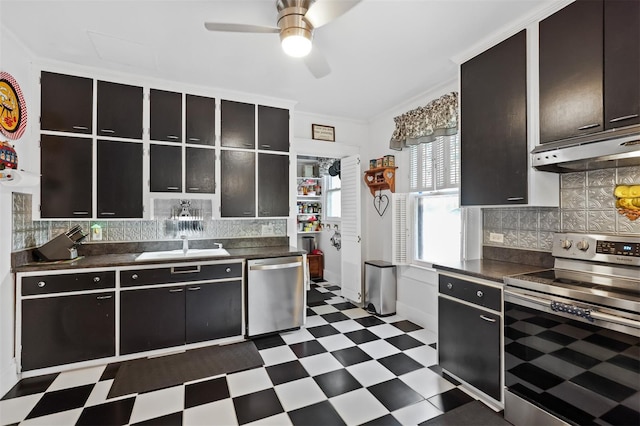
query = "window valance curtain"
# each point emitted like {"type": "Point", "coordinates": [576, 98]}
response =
{"type": "Point", "coordinates": [423, 124]}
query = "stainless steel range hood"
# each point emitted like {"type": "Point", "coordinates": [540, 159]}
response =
{"type": "Point", "coordinates": [615, 148]}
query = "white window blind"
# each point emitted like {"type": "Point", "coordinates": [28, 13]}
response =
{"type": "Point", "coordinates": [435, 165]}
{"type": "Point", "coordinates": [400, 229]}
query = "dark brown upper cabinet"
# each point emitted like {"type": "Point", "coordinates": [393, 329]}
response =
{"type": "Point", "coordinates": [66, 182]}
{"type": "Point", "coordinates": [238, 183]}
{"type": "Point", "coordinates": [237, 125]}
{"type": "Point", "coordinates": [119, 110]}
{"type": "Point", "coordinates": [621, 63]}
{"type": "Point", "coordinates": [589, 68]}
{"type": "Point", "coordinates": [165, 168]}
{"type": "Point", "coordinates": [273, 185]}
{"type": "Point", "coordinates": [493, 138]}
{"type": "Point", "coordinates": [165, 116]}
{"type": "Point", "coordinates": [273, 128]}
{"type": "Point", "coordinates": [119, 179]}
{"type": "Point", "coordinates": [201, 115]}
{"type": "Point", "coordinates": [66, 103]}
{"type": "Point", "coordinates": [200, 170]}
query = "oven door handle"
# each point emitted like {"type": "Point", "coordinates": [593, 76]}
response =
{"type": "Point", "coordinates": [509, 296]}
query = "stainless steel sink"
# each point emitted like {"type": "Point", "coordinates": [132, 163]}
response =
{"type": "Point", "coordinates": [180, 254]}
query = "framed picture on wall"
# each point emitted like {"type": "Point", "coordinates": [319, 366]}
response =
{"type": "Point", "coordinates": [323, 133]}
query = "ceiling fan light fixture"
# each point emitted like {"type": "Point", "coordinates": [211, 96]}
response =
{"type": "Point", "coordinates": [296, 45]}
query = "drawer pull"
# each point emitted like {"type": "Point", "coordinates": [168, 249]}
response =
{"type": "Point", "coordinates": [41, 284]}
{"type": "Point", "coordinates": [589, 126]}
{"type": "Point", "coordinates": [625, 117]}
{"type": "Point", "coordinates": [227, 270]}
{"type": "Point", "coordinates": [479, 293]}
{"type": "Point", "coordinates": [193, 288]}
{"type": "Point", "coordinates": [185, 269]}
{"type": "Point", "coordinates": [449, 286]}
{"type": "Point", "coordinates": [175, 290]}
{"type": "Point", "coordinates": [104, 297]}
{"type": "Point", "coordinates": [487, 318]}
{"type": "Point", "coordinates": [134, 276]}
{"type": "Point", "coordinates": [96, 279]}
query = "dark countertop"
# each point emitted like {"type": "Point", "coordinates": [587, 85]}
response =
{"type": "Point", "coordinates": [488, 269]}
{"type": "Point", "coordinates": [128, 259]}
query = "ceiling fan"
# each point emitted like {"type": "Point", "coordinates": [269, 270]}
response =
{"type": "Point", "coordinates": [297, 20]}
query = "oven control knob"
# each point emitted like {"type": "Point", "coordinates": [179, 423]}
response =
{"type": "Point", "coordinates": [566, 244]}
{"type": "Point", "coordinates": [583, 245]}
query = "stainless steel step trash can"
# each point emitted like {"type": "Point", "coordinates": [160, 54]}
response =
{"type": "Point", "coordinates": [380, 287]}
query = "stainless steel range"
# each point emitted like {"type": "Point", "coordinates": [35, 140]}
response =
{"type": "Point", "coordinates": [572, 335]}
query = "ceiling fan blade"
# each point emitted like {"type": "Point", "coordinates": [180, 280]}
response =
{"type": "Point", "coordinates": [324, 11]}
{"type": "Point", "coordinates": [317, 63]}
{"type": "Point", "coordinates": [239, 28]}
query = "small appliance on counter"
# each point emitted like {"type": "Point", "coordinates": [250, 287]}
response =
{"type": "Point", "coordinates": [62, 247]}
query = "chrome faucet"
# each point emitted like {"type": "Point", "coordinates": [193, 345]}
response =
{"type": "Point", "coordinates": [185, 244]}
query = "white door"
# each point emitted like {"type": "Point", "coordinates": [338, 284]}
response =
{"type": "Point", "coordinates": [350, 177]}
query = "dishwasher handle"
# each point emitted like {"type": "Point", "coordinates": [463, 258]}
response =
{"type": "Point", "coordinates": [275, 266]}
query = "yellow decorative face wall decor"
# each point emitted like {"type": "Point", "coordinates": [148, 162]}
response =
{"type": "Point", "coordinates": [628, 200]}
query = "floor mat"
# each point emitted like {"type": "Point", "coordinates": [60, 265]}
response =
{"type": "Point", "coordinates": [470, 414]}
{"type": "Point", "coordinates": [143, 375]}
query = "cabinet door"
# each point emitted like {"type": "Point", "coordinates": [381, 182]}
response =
{"type": "Point", "coordinates": [571, 49]}
{"type": "Point", "coordinates": [200, 169]}
{"type": "Point", "coordinates": [66, 168]}
{"type": "Point", "coordinates": [237, 124]}
{"type": "Point", "coordinates": [469, 345]}
{"type": "Point", "coordinates": [621, 63]}
{"type": "Point", "coordinates": [273, 128]}
{"type": "Point", "coordinates": [201, 124]}
{"type": "Point", "coordinates": [214, 311]}
{"type": "Point", "coordinates": [273, 185]}
{"type": "Point", "coordinates": [119, 179]}
{"type": "Point", "coordinates": [65, 329]}
{"type": "Point", "coordinates": [119, 110]}
{"type": "Point", "coordinates": [165, 116]}
{"type": "Point", "coordinates": [238, 186]}
{"type": "Point", "coordinates": [493, 138]}
{"type": "Point", "coordinates": [151, 319]}
{"type": "Point", "coordinates": [165, 169]}
{"type": "Point", "coordinates": [66, 103]}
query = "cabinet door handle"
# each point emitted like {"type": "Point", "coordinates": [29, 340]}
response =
{"type": "Point", "coordinates": [81, 127]}
{"type": "Point", "coordinates": [248, 144]}
{"type": "Point", "coordinates": [185, 269]}
{"type": "Point", "coordinates": [624, 117]}
{"type": "Point", "coordinates": [104, 297]}
{"type": "Point", "coordinates": [194, 188]}
{"type": "Point", "coordinates": [265, 145]}
{"type": "Point", "coordinates": [172, 188]}
{"type": "Point", "coordinates": [515, 198]}
{"type": "Point", "coordinates": [80, 213]}
{"type": "Point", "coordinates": [193, 288]}
{"type": "Point", "coordinates": [195, 139]}
{"type": "Point", "coordinates": [247, 213]}
{"type": "Point", "coordinates": [172, 137]}
{"type": "Point", "coordinates": [107, 131]}
{"type": "Point", "coordinates": [107, 213]}
{"type": "Point", "coordinates": [589, 126]}
{"type": "Point", "coordinates": [175, 290]}
{"type": "Point", "coordinates": [487, 318]}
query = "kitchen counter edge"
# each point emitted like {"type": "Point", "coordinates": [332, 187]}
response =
{"type": "Point", "coordinates": [493, 270]}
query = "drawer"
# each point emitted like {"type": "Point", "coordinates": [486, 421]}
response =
{"type": "Point", "coordinates": [59, 283]}
{"type": "Point", "coordinates": [178, 274]}
{"type": "Point", "coordinates": [469, 291]}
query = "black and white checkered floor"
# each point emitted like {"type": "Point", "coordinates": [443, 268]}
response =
{"type": "Point", "coordinates": [344, 367]}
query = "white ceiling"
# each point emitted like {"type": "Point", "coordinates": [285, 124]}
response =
{"type": "Point", "coordinates": [382, 52]}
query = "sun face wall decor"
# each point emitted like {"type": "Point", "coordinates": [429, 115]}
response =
{"type": "Point", "coordinates": [13, 110]}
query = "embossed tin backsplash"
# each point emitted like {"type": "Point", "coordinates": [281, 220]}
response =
{"type": "Point", "coordinates": [587, 204]}
{"type": "Point", "coordinates": [28, 233]}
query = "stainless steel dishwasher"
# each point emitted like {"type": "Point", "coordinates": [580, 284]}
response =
{"type": "Point", "coordinates": [276, 297]}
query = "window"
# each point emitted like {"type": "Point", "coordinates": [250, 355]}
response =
{"type": "Point", "coordinates": [332, 194]}
{"type": "Point", "coordinates": [434, 226]}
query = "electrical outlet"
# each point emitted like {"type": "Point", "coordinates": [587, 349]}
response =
{"type": "Point", "coordinates": [267, 229]}
{"type": "Point", "coordinates": [496, 238]}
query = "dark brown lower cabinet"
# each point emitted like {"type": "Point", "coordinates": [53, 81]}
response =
{"type": "Point", "coordinates": [60, 330]}
{"type": "Point", "coordinates": [213, 311]}
{"type": "Point", "coordinates": [469, 345]}
{"type": "Point", "coordinates": [151, 319]}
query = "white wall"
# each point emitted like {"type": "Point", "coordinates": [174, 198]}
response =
{"type": "Point", "coordinates": [16, 60]}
